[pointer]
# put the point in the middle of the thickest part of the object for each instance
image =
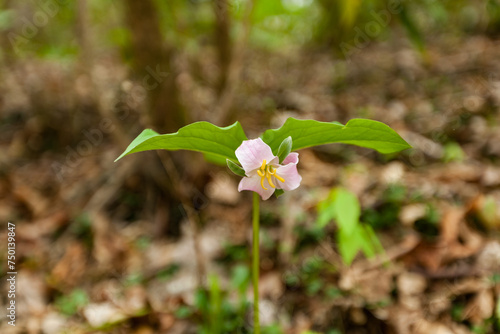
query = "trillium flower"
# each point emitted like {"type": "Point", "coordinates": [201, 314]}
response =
{"type": "Point", "coordinates": [264, 173]}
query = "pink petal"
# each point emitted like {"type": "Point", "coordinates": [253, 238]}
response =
{"type": "Point", "coordinates": [291, 176]}
{"type": "Point", "coordinates": [292, 158]}
{"type": "Point", "coordinates": [253, 184]}
{"type": "Point", "coordinates": [252, 152]}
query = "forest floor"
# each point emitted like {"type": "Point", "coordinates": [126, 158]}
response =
{"type": "Point", "coordinates": [89, 260]}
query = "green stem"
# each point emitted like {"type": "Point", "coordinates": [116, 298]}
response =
{"type": "Point", "coordinates": [255, 263]}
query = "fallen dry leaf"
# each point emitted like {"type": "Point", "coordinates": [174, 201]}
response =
{"type": "Point", "coordinates": [98, 315]}
{"type": "Point", "coordinates": [71, 267]}
{"type": "Point", "coordinates": [480, 307]}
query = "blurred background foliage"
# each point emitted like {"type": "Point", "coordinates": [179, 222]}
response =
{"type": "Point", "coordinates": [171, 34]}
{"type": "Point", "coordinates": [154, 32]}
{"type": "Point", "coordinates": [190, 25]}
{"type": "Point", "coordinates": [97, 72]}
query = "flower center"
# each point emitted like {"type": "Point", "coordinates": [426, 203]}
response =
{"type": "Point", "coordinates": [267, 172]}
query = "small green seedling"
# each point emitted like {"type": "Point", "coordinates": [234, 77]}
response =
{"type": "Point", "coordinates": [343, 207]}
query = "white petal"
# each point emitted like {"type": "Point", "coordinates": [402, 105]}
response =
{"type": "Point", "coordinates": [252, 153]}
{"type": "Point", "coordinates": [292, 158]}
{"type": "Point", "coordinates": [253, 184]}
{"type": "Point", "coordinates": [291, 176]}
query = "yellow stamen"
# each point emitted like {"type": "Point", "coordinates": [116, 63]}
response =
{"type": "Point", "coordinates": [262, 183]}
{"type": "Point", "coordinates": [279, 178]}
{"type": "Point", "coordinates": [267, 172]}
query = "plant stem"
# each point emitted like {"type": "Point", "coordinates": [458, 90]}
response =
{"type": "Point", "coordinates": [255, 263]}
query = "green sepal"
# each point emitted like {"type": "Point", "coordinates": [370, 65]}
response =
{"type": "Point", "coordinates": [235, 168]}
{"type": "Point", "coordinates": [285, 148]}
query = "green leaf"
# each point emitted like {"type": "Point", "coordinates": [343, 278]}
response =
{"type": "Point", "coordinates": [279, 192]}
{"type": "Point", "coordinates": [341, 205]}
{"type": "Point", "coordinates": [70, 304]}
{"type": "Point", "coordinates": [366, 243]}
{"type": "Point", "coordinates": [285, 148]}
{"type": "Point", "coordinates": [360, 132]}
{"type": "Point", "coordinates": [265, 9]}
{"type": "Point", "coordinates": [347, 210]}
{"type": "Point", "coordinates": [215, 159]}
{"type": "Point", "coordinates": [201, 137]}
{"type": "Point", "coordinates": [240, 278]}
{"type": "Point", "coordinates": [352, 236]}
{"type": "Point", "coordinates": [372, 244]}
{"type": "Point", "coordinates": [326, 210]}
{"type": "Point", "coordinates": [350, 244]}
{"type": "Point", "coordinates": [235, 168]}
{"type": "Point", "coordinates": [6, 19]}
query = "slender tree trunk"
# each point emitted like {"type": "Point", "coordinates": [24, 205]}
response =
{"type": "Point", "coordinates": [82, 26]}
{"type": "Point", "coordinates": [152, 62]}
{"type": "Point", "coordinates": [222, 112]}
{"type": "Point", "coordinates": [152, 65]}
{"type": "Point", "coordinates": [223, 41]}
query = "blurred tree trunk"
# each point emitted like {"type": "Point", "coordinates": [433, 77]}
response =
{"type": "Point", "coordinates": [82, 35]}
{"type": "Point", "coordinates": [8, 53]}
{"type": "Point", "coordinates": [223, 41]}
{"type": "Point", "coordinates": [332, 32]}
{"type": "Point", "coordinates": [152, 63]}
{"type": "Point", "coordinates": [235, 59]}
